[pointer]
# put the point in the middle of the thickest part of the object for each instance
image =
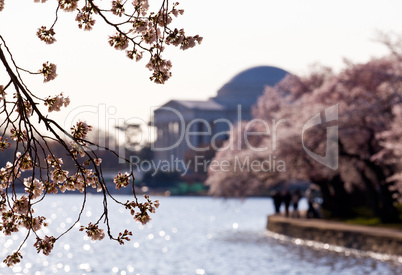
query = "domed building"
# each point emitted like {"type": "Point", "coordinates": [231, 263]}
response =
{"type": "Point", "coordinates": [184, 125]}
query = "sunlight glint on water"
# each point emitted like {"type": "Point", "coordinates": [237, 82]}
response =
{"type": "Point", "coordinates": [188, 235]}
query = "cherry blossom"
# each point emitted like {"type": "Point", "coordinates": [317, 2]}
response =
{"type": "Point", "coordinates": [93, 231]}
{"type": "Point", "coordinates": [143, 34]}
{"type": "Point", "coordinates": [2, 92]}
{"type": "Point", "coordinates": [46, 35]}
{"type": "Point", "coordinates": [34, 187]}
{"type": "Point", "coordinates": [14, 258]}
{"type": "Point", "coordinates": [48, 71]}
{"type": "Point", "coordinates": [122, 180]}
{"type": "Point", "coordinates": [56, 102]}
{"type": "Point", "coordinates": [68, 5]}
{"type": "Point", "coordinates": [4, 144]}
{"type": "Point", "coordinates": [45, 245]}
{"type": "Point", "coordinates": [368, 147]}
{"type": "Point", "coordinates": [118, 8]}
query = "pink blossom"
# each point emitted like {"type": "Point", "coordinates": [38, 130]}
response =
{"type": "Point", "coordinates": [55, 103]}
{"type": "Point", "coordinates": [16, 257]}
{"type": "Point", "coordinates": [80, 130]}
{"type": "Point", "coordinates": [117, 8]}
{"type": "Point", "coordinates": [54, 161]}
{"type": "Point", "coordinates": [122, 180]}
{"type": "Point", "coordinates": [46, 35]}
{"type": "Point", "coordinates": [21, 206]}
{"type": "Point", "coordinates": [118, 41]}
{"type": "Point", "coordinates": [58, 175]}
{"type": "Point", "coordinates": [46, 244]}
{"type": "Point", "coordinates": [2, 91]}
{"type": "Point", "coordinates": [93, 231]}
{"type": "Point", "coordinates": [68, 5]}
{"type": "Point", "coordinates": [33, 187]}
{"type": "Point", "coordinates": [48, 71]}
{"type": "Point", "coordinates": [4, 144]}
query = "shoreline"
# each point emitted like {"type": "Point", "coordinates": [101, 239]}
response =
{"type": "Point", "coordinates": [366, 238]}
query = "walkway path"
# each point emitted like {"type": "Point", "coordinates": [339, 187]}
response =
{"type": "Point", "coordinates": [370, 238]}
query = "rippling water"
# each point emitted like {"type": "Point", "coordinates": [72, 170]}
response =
{"type": "Point", "coordinates": [187, 235]}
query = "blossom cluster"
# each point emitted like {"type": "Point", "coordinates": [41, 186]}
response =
{"type": "Point", "coordinates": [160, 68]}
{"type": "Point", "coordinates": [93, 231]}
{"type": "Point", "coordinates": [138, 55]}
{"type": "Point", "coordinates": [34, 187]}
{"type": "Point", "coordinates": [12, 171]}
{"type": "Point", "coordinates": [18, 135]}
{"type": "Point", "coordinates": [14, 258]}
{"type": "Point", "coordinates": [142, 30]}
{"type": "Point", "coordinates": [68, 5]}
{"type": "Point", "coordinates": [35, 223]}
{"type": "Point", "coordinates": [124, 236]}
{"type": "Point", "coordinates": [117, 8]}
{"type": "Point", "coordinates": [46, 244]}
{"type": "Point", "coordinates": [84, 18]}
{"type": "Point", "coordinates": [79, 181]}
{"type": "Point", "coordinates": [141, 6]}
{"type": "Point", "coordinates": [80, 130]}
{"type": "Point", "coordinates": [34, 164]}
{"type": "Point", "coordinates": [56, 102]}
{"type": "Point", "coordinates": [145, 208]}
{"type": "Point", "coordinates": [1, 5]}
{"type": "Point", "coordinates": [2, 91]}
{"type": "Point", "coordinates": [20, 214]}
{"type": "Point", "coordinates": [8, 174]}
{"type": "Point", "coordinates": [4, 144]}
{"type": "Point", "coordinates": [24, 162]}
{"type": "Point", "coordinates": [9, 222]}
{"type": "Point", "coordinates": [84, 177]}
{"type": "Point", "coordinates": [118, 41]}
{"type": "Point", "coordinates": [121, 180]}
{"type": "Point", "coordinates": [178, 38]}
{"type": "Point", "coordinates": [46, 35]}
{"type": "Point", "coordinates": [48, 71]}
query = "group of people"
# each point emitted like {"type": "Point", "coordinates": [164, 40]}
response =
{"type": "Point", "coordinates": [292, 199]}
{"type": "Point", "coordinates": [287, 199]}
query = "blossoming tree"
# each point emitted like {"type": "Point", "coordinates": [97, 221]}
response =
{"type": "Point", "coordinates": [139, 32]}
{"type": "Point", "coordinates": [367, 98]}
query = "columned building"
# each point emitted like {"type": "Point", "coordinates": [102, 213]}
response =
{"type": "Point", "coordinates": [184, 125]}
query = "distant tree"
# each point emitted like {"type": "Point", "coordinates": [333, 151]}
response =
{"type": "Point", "coordinates": [237, 169]}
{"type": "Point", "coordinates": [34, 162]}
{"type": "Point", "coordinates": [368, 102]}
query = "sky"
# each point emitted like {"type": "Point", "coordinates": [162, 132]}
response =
{"type": "Point", "coordinates": [108, 89]}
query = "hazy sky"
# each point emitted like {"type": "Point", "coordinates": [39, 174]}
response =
{"type": "Point", "coordinates": [291, 34]}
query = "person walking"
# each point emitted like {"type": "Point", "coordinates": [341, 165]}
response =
{"type": "Point", "coordinates": [287, 199]}
{"type": "Point", "coordinates": [277, 198]}
{"type": "Point", "coordinates": [311, 211]}
{"type": "Point", "coordinates": [295, 203]}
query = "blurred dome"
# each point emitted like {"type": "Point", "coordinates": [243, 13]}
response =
{"type": "Point", "coordinates": [248, 85]}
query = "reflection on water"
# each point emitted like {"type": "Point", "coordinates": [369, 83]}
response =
{"type": "Point", "coordinates": [188, 235]}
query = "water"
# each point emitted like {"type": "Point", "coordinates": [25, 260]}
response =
{"type": "Point", "coordinates": [187, 235]}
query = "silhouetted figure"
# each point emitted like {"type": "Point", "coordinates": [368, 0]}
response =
{"type": "Point", "coordinates": [295, 203]}
{"type": "Point", "coordinates": [286, 199]}
{"type": "Point", "coordinates": [277, 201]}
{"type": "Point", "coordinates": [311, 211]}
